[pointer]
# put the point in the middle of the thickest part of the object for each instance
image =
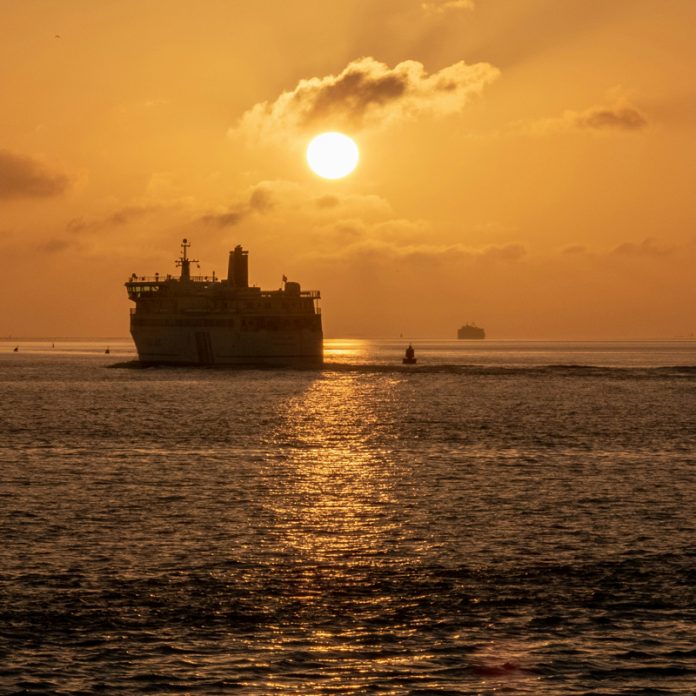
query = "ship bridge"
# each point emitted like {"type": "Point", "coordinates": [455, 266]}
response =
{"type": "Point", "coordinates": [210, 293]}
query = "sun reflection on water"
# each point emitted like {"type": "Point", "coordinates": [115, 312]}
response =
{"type": "Point", "coordinates": [335, 514]}
{"type": "Point", "coordinates": [335, 531]}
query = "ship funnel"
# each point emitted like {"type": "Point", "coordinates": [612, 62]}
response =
{"type": "Point", "coordinates": [238, 268]}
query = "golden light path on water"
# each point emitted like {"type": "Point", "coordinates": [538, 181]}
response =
{"type": "Point", "coordinates": [343, 513]}
{"type": "Point", "coordinates": [336, 521]}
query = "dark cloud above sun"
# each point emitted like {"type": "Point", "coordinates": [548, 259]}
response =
{"type": "Point", "coordinates": [367, 93]}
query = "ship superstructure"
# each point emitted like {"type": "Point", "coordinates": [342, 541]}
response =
{"type": "Point", "coordinates": [202, 320]}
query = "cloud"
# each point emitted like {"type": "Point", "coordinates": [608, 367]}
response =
{"type": "Point", "coordinates": [364, 205]}
{"type": "Point", "coordinates": [621, 116]}
{"type": "Point", "coordinates": [261, 198]}
{"type": "Point", "coordinates": [442, 6]}
{"type": "Point", "coordinates": [22, 176]}
{"type": "Point", "coordinates": [376, 249]}
{"type": "Point", "coordinates": [280, 198]}
{"type": "Point", "coordinates": [269, 200]}
{"type": "Point", "coordinates": [326, 202]}
{"type": "Point", "coordinates": [121, 217]}
{"type": "Point", "coordinates": [333, 227]}
{"type": "Point", "coordinates": [504, 252]}
{"type": "Point", "coordinates": [574, 249]}
{"type": "Point", "coordinates": [228, 218]}
{"type": "Point", "coordinates": [648, 247]}
{"type": "Point", "coordinates": [366, 93]}
{"type": "Point", "coordinates": [55, 246]}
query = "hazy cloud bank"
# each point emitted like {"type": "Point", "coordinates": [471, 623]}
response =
{"type": "Point", "coordinates": [290, 198]}
{"type": "Point", "coordinates": [366, 93]}
{"type": "Point", "coordinates": [22, 176]}
{"type": "Point", "coordinates": [383, 250]}
{"type": "Point", "coordinates": [343, 229]}
{"type": "Point", "coordinates": [620, 116]}
{"type": "Point", "coordinates": [124, 216]}
{"type": "Point", "coordinates": [261, 198]}
{"type": "Point", "coordinates": [649, 247]}
{"type": "Point", "coordinates": [442, 6]}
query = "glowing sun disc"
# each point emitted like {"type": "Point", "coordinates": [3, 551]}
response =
{"type": "Point", "coordinates": [332, 155]}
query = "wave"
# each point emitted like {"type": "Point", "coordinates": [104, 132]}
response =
{"type": "Point", "coordinates": [560, 370]}
{"type": "Point", "coordinates": [556, 370]}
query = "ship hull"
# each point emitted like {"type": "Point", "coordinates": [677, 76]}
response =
{"type": "Point", "coordinates": [471, 333]}
{"type": "Point", "coordinates": [221, 346]}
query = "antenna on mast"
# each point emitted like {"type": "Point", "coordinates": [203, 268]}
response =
{"type": "Point", "coordinates": [184, 262]}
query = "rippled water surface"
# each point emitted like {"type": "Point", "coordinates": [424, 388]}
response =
{"type": "Point", "coordinates": [503, 518]}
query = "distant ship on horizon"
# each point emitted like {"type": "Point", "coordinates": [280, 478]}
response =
{"type": "Point", "coordinates": [207, 321]}
{"type": "Point", "coordinates": [471, 331]}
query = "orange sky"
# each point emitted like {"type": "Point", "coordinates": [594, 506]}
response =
{"type": "Point", "coordinates": [525, 164]}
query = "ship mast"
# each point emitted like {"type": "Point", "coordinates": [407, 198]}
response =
{"type": "Point", "coordinates": [184, 262]}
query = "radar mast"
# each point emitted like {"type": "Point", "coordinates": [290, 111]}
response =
{"type": "Point", "coordinates": [184, 262]}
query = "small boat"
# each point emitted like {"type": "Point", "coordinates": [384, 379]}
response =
{"type": "Point", "coordinates": [16, 350]}
{"type": "Point", "coordinates": [107, 351]}
{"type": "Point", "coordinates": [410, 357]}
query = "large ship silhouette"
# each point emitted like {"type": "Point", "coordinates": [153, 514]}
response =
{"type": "Point", "coordinates": [203, 320]}
{"type": "Point", "coordinates": [471, 331]}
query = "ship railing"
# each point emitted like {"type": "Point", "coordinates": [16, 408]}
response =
{"type": "Point", "coordinates": [147, 279]}
{"type": "Point", "coordinates": [154, 280]}
{"type": "Point", "coordinates": [134, 310]}
{"type": "Point", "coordinates": [160, 279]}
{"type": "Point", "coordinates": [313, 294]}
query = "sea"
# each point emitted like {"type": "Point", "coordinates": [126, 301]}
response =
{"type": "Point", "coordinates": [503, 517]}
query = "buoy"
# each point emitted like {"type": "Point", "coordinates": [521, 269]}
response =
{"type": "Point", "coordinates": [410, 357]}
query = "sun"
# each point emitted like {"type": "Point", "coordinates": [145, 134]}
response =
{"type": "Point", "coordinates": [332, 155]}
